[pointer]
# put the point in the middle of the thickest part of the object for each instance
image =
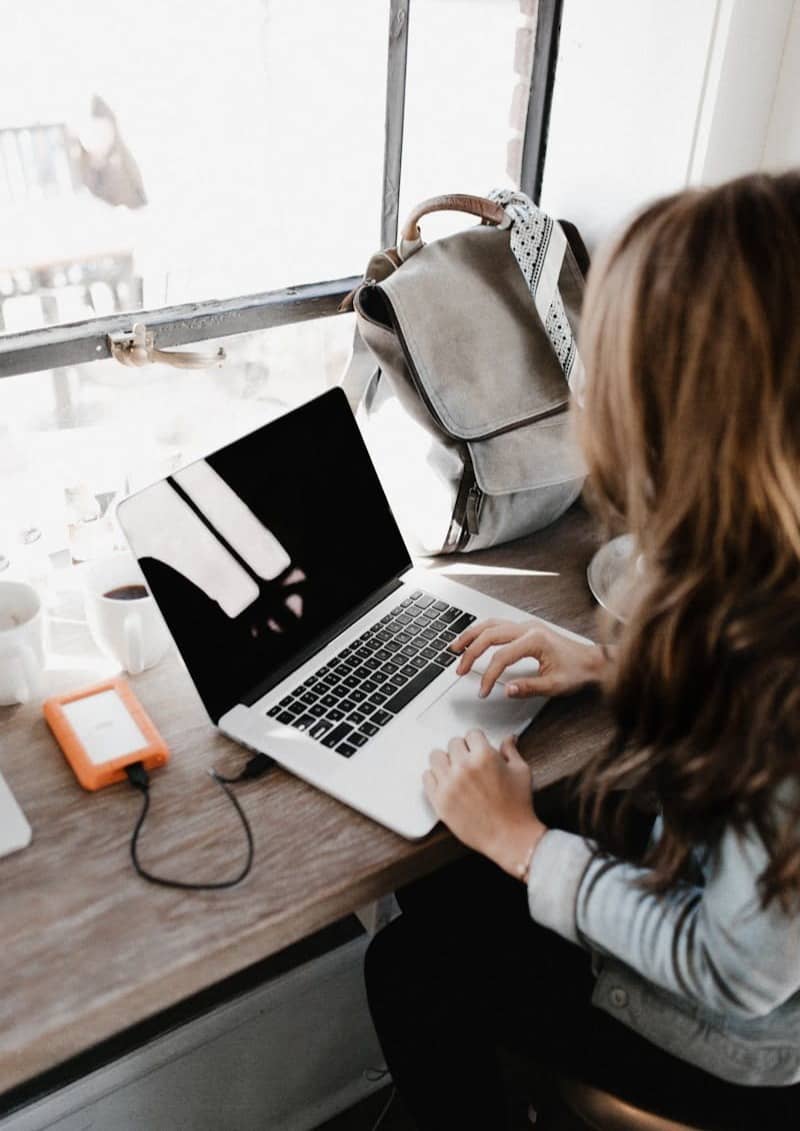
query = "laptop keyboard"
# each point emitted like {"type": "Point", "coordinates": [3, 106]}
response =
{"type": "Point", "coordinates": [351, 698]}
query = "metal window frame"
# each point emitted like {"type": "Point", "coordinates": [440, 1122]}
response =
{"type": "Point", "coordinates": [54, 347]}
{"type": "Point", "coordinates": [540, 98]}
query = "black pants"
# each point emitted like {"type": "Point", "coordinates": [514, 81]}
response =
{"type": "Point", "coordinates": [465, 972]}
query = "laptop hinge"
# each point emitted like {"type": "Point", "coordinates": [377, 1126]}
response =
{"type": "Point", "coordinates": [319, 642]}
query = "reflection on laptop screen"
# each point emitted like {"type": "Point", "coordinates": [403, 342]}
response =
{"type": "Point", "coordinates": [253, 553]}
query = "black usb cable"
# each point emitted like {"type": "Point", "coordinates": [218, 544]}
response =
{"type": "Point", "coordinates": [140, 779]}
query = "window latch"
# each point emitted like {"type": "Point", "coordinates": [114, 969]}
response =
{"type": "Point", "coordinates": [137, 349]}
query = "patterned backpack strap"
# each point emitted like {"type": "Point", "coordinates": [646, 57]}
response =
{"type": "Point", "coordinates": [538, 244]}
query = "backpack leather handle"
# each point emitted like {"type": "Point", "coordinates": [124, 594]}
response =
{"type": "Point", "coordinates": [489, 211]}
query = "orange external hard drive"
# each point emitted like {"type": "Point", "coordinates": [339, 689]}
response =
{"type": "Point", "coordinates": [102, 729]}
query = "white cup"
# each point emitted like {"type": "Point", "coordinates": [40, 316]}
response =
{"type": "Point", "coordinates": [21, 643]}
{"type": "Point", "coordinates": [131, 631]}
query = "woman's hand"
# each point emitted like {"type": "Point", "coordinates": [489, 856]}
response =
{"type": "Point", "coordinates": [484, 797]}
{"type": "Point", "coordinates": [565, 665]}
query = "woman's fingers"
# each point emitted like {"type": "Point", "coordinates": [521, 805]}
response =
{"type": "Point", "coordinates": [434, 776]}
{"type": "Point", "coordinates": [499, 633]}
{"type": "Point", "coordinates": [477, 743]}
{"type": "Point", "coordinates": [430, 784]}
{"type": "Point", "coordinates": [469, 634]}
{"type": "Point", "coordinates": [445, 765]}
{"type": "Point", "coordinates": [460, 752]}
{"type": "Point", "coordinates": [439, 763]}
{"type": "Point", "coordinates": [510, 751]}
{"type": "Point", "coordinates": [456, 749]}
{"type": "Point", "coordinates": [478, 645]}
{"type": "Point", "coordinates": [533, 685]}
{"type": "Point", "coordinates": [527, 645]}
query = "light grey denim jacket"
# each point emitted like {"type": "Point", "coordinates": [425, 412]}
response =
{"type": "Point", "coordinates": [703, 971]}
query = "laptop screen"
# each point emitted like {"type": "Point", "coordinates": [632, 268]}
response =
{"type": "Point", "coordinates": [255, 552]}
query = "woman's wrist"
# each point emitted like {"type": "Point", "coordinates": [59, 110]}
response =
{"type": "Point", "coordinates": [600, 659]}
{"type": "Point", "coordinates": [515, 848]}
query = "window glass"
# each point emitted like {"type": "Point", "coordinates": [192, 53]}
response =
{"type": "Point", "coordinates": [179, 150]}
{"type": "Point", "coordinates": [72, 440]}
{"type": "Point", "coordinates": [206, 150]}
{"type": "Point", "coordinates": [468, 76]}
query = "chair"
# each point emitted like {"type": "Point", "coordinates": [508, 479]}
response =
{"type": "Point", "coordinates": [601, 1111]}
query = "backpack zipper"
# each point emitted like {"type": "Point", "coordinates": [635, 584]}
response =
{"type": "Point", "coordinates": [473, 513]}
{"type": "Point", "coordinates": [467, 508]}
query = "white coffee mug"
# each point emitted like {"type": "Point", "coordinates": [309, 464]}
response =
{"type": "Point", "coordinates": [125, 624]}
{"type": "Point", "coordinates": [21, 643]}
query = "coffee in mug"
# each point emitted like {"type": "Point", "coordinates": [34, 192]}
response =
{"type": "Point", "coordinates": [127, 593]}
{"type": "Point", "coordinates": [122, 615]}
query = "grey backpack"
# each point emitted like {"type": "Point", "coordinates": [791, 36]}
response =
{"type": "Point", "coordinates": [463, 363]}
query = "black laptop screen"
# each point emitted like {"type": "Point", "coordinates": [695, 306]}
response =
{"type": "Point", "coordinates": [255, 552]}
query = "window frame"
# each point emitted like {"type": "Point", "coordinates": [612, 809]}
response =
{"type": "Point", "coordinates": [54, 347]}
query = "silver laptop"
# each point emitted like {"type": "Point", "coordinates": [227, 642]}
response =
{"type": "Point", "coordinates": [309, 635]}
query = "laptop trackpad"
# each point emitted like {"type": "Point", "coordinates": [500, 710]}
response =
{"type": "Point", "coordinates": [459, 709]}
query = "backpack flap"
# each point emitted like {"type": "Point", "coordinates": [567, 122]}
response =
{"type": "Point", "coordinates": [469, 326]}
{"type": "Point", "coordinates": [478, 356]}
{"type": "Point", "coordinates": [541, 454]}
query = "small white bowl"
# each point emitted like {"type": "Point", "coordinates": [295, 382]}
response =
{"type": "Point", "coordinates": [609, 574]}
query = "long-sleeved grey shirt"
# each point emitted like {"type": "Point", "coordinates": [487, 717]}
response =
{"type": "Point", "coordinates": [704, 971]}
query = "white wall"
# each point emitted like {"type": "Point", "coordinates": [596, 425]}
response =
{"type": "Point", "coordinates": [652, 95]}
{"type": "Point", "coordinates": [742, 78]}
{"type": "Point", "coordinates": [629, 82]}
{"type": "Point", "coordinates": [782, 147]}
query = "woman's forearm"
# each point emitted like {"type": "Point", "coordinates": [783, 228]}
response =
{"type": "Point", "coordinates": [711, 945]}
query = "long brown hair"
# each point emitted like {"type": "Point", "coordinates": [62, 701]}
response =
{"type": "Point", "coordinates": [691, 433]}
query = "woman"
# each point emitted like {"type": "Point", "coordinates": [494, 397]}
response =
{"type": "Point", "coordinates": [670, 974]}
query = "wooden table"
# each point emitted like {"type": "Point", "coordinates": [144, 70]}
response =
{"type": "Point", "coordinates": [88, 949]}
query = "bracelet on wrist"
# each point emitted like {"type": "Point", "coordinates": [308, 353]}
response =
{"type": "Point", "coordinates": [523, 869]}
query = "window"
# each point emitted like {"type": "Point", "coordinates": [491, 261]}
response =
{"type": "Point", "coordinates": [221, 172]}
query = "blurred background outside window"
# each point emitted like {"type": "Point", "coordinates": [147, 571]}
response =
{"type": "Point", "coordinates": [173, 152]}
